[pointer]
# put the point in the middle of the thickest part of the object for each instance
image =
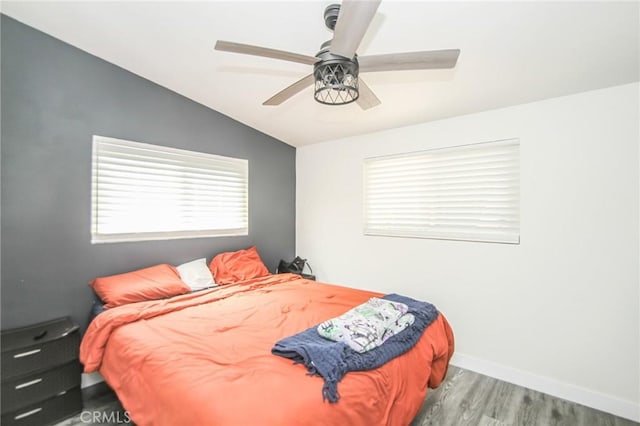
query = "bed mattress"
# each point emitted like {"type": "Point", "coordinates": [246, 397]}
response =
{"type": "Point", "coordinates": [205, 359]}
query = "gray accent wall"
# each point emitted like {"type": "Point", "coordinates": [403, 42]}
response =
{"type": "Point", "coordinates": [54, 98]}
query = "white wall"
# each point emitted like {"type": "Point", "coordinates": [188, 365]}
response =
{"type": "Point", "coordinates": [557, 313]}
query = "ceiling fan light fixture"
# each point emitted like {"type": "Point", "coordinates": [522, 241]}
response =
{"type": "Point", "coordinates": [336, 66]}
{"type": "Point", "coordinates": [336, 81]}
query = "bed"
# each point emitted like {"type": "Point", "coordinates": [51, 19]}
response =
{"type": "Point", "coordinates": [204, 358]}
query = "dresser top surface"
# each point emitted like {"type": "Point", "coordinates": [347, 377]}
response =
{"type": "Point", "coordinates": [37, 333]}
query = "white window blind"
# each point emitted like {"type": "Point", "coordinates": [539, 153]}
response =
{"type": "Point", "coordinates": [463, 193]}
{"type": "Point", "coordinates": [149, 192]}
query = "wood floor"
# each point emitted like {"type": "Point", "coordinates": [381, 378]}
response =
{"type": "Point", "coordinates": [464, 398]}
{"type": "Point", "coordinates": [468, 398]}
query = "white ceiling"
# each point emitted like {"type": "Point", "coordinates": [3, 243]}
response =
{"type": "Point", "coordinates": [511, 53]}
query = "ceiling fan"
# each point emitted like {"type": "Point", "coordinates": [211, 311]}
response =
{"type": "Point", "coordinates": [337, 67]}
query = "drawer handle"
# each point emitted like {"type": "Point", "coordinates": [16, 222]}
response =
{"type": "Point", "coordinates": [27, 414]}
{"type": "Point", "coordinates": [27, 384]}
{"type": "Point", "coordinates": [23, 354]}
{"type": "Point", "coordinates": [40, 336]}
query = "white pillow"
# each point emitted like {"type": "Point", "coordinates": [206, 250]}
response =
{"type": "Point", "coordinates": [196, 274]}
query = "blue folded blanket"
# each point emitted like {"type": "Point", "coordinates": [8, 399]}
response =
{"type": "Point", "coordinates": [332, 360]}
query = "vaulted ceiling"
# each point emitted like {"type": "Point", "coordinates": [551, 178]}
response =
{"type": "Point", "coordinates": [511, 53]}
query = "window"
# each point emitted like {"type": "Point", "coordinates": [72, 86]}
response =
{"type": "Point", "coordinates": [148, 192]}
{"type": "Point", "coordinates": [464, 193]}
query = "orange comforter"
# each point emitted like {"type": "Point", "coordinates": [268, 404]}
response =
{"type": "Point", "coordinates": [205, 359]}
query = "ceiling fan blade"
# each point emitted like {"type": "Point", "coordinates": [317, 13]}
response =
{"type": "Point", "coordinates": [353, 20]}
{"type": "Point", "coordinates": [247, 49]}
{"type": "Point", "coordinates": [288, 92]}
{"type": "Point", "coordinates": [367, 98]}
{"type": "Point", "coordinates": [433, 59]}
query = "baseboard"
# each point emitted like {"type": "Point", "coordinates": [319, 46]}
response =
{"type": "Point", "coordinates": [91, 379]}
{"type": "Point", "coordinates": [603, 402]}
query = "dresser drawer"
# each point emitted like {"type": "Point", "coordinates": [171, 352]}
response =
{"type": "Point", "coordinates": [46, 412]}
{"type": "Point", "coordinates": [25, 390]}
{"type": "Point", "coordinates": [38, 347]}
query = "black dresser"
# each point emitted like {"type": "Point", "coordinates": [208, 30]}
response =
{"type": "Point", "coordinates": [41, 373]}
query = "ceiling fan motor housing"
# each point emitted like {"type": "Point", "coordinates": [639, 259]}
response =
{"type": "Point", "coordinates": [331, 15]}
{"type": "Point", "coordinates": [336, 77]}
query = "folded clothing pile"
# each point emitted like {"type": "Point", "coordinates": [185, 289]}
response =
{"type": "Point", "coordinates": [332, 360]}
{"type": "Point", "coordinates": [369, 325]}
